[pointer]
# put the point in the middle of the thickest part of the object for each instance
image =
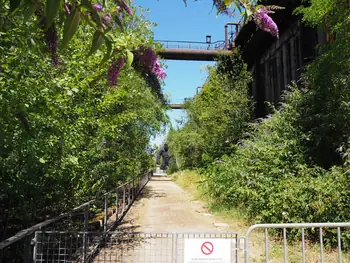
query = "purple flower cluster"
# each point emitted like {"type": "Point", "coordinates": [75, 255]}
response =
{"type": "Point", "coordinates": [126, 7]}
{"type": "Point", "coordinates": [97, 7]}
{"type": "Point", "coordinates": [149, 59]}
{"type": "Point", "coordinates": [158, 70]}
{"type": "Point", "coordinates": [107, 18]}
{"type": "Point", "coordinates": [265, 22]}
{"type": "Point", "coordinates": [66, 7]}
{"type": "Point", "coordinates": [113, 72]}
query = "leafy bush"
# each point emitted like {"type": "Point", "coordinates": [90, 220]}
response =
{"type": "Point", "coordinates": [185, 148]}
{"type": "Point", "coordinates": [294, 165]}
{"type": "Point", "coordinates": [269, 179]}
{"type": "Point", "coordinates": [217, 117]}
{"type": "Point", "coordinates": [65, 135]}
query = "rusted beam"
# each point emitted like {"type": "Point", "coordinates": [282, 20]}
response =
{"type": "Point", "coordinates": [176, 106]}
{"type": "Point", "coordinates": [192, 54]}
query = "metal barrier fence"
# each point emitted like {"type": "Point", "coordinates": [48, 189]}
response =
{"type": "Point", "coordinates": [218, 45]}
{"type": "Point", "coordinates": [117, 247]}
{"type": "Point", "coordinates": [108, 246]}
{"type": "Point", "coordinates": [113, 212]}
{"type": "Point", "coordinates": [303, 227]}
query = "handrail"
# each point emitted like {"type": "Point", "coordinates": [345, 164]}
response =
{"type": "Point", "coordinates": [193, 44]}
{"type": "Point", "coordinates": [28, 231]}
{"type": "Point", "coordinates": [25, 232]}
{"type": "Point", "coordinates": [190, 42]}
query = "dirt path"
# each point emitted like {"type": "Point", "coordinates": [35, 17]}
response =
{"type": "Point", "coordinates": [166, 207]}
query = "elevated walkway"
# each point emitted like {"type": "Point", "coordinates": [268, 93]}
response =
{"type": "Point", "coordinates": [193, 54]}
{"type": "Point", "coordinates": [201, 51]}
{"type": "Point", "coordinates": [176, 106]}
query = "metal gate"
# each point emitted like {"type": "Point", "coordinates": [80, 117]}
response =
{"type": "Point", "coordinates": [300, 252]}
{"type": "Point", "coordinates": [117, 247]}
{"type": "Point", "coordinates": [257, 245]}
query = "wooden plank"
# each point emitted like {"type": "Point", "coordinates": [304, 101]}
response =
{"type": "Point", "coordinates": [254, 83]}
{"type": "Point", "coordinates": [273, 79]}
{"type": "Point", "coordinates": [293, 57]}
{"type": "Point", "coordinates": [285, 64]}
{"type": "Point", "coordinates": [280, 78]}
{"type": "Point", "coordinates": [267, 82]}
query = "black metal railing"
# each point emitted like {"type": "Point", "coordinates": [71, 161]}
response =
{"type": "Point", "coordinates": [19, 248]}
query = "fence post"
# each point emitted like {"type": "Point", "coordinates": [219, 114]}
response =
{"type": "Point", "coordinates": [86, 229]}
{"type": "Point", "coordinates": [106, 213]}
{"type": "Point", "coordinates": [137, 185]}
{"type": "Point", "coordinates": [237, 247]}
{"type": "Point", "coordinates": [27, 248]}
{"type": "Point", "coordinates": [35, 240]}
{"type": "Point", "coordinates": [176, 247]}
{"type": "Point", "coordinates": [129, 192]}
{"type": "Point", "coordinates": [117, 205]}
{"type": "Point", "coordinates": [140, 178]}
{"type": "Point", "coordinates": [133, 189]}
{"type": "Point", "coordinates": [124, 198]}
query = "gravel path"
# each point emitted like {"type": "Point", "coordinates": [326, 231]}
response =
{"type": "Point", "coordinates": [166, 207]}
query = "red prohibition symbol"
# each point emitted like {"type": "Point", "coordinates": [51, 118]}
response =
{"type": "Point", "coordinates": [207, 248]}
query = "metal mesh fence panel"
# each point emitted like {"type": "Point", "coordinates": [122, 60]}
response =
{"type": "Point", "coordinates": [65, 247]}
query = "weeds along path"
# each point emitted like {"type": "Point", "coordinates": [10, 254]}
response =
{"type": "Point", "coordinates": [166, 207]}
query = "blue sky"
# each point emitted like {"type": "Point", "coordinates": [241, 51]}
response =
{"type": "Point", "coordinates": [175, 21]}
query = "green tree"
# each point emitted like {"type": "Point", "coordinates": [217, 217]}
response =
{"type": "Point", "coordinates": [66, 135]}
{"type": "Point", "coordinates": [217, 116]}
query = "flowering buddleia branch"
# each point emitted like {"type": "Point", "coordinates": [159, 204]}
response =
{"type": "Point", "coordinates": [146, 61]}
{"type": "Point", "coordinates": [66, 16]}
{"type": "Point", "coordinates": [265, 22]}
{"type": "Point", "coordinates": [149, 60]}
{"type": "Point", "coordinates": [246, 8]}
{"type": "Point", "coordinates": [95, 14]}
{"type": "Point", "coordinates": [125, 6]}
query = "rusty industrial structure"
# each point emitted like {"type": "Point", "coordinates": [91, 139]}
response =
{"type": "Point", "coordinates": [175, 106]}
{"type": "Point", "coordinates": [275, 63]}
{"type": "Point", "coordinates": [192, 54]}
{"type": "Point", "coordinates": [201, 51]}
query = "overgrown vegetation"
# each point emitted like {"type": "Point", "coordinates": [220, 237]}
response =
{"type": "Point", "coordinates": [66, 135]}
{"type": "Point", "coordinates": [217, 117]}
{"type": "Point", "coordinates": [294, 164]}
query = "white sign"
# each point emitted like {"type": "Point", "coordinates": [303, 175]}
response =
{"type": "Point", "coordinates": [207, 250]}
